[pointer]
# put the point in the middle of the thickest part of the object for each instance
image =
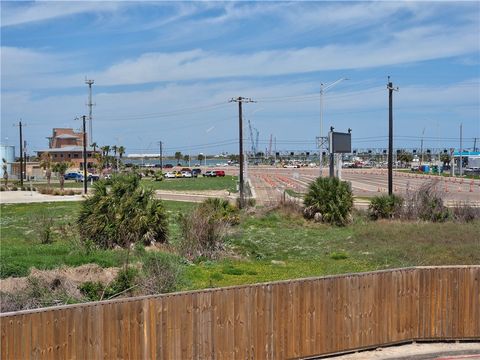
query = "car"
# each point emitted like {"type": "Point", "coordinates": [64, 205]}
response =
{"type": "Point", "coordinates": [170, 175]}
{"type": "Point", "coordinates": [72, 176]}
{"type": "Point", "coordinates": [210, 173]}
{"type": "Point", "coordinates": [196, 172]}
{"type": "Point", "coordinates": [168, 166]}
{"type": "Point", "coordinates": [186, 174]}
{"type": "Point", "coordinates": [178, 174]}
{"type": "Point", "coordinates": [219, 173]}
{"type": "Point", "coordinates": [186, 169]}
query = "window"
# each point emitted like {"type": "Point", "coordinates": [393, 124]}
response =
{"type": "Point", "coordinates": [75, 156]}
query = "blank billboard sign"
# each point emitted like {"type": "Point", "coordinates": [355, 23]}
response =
{"type": "Point", "coordinates": [341, 142]}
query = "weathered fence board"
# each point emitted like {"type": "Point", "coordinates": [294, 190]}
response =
{"type": "Point", "coordinates": [281, 320]}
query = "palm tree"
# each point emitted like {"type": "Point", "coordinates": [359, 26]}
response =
{"type": "Point", "coordinates": [94, 145]}
{"type": "Point", "coordinates": [115, 149]}
{"type": "Point", "coordinates": [46, 164]}
{"type": "Point", "coordinates": [178, 156]}
{"type": "Point", "coordinates": [60, 168]}
{"type": "Point", "coordinates": [5, 171]}
{"type": "Point", "coordinates": [121, 151]}
{"type": "Point", "coordinates": [105, 150]}
{"type": "Point", "coordinates": [200, 157]}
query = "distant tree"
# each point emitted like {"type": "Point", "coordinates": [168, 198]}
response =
{"type": "Point", "coordinates": [233, 157]}
{"type": "Point", "coordinates": [5, 171]}
{"type": "Point", "coordinates": [186, 158]}
{"type": "Point", "coordinates": [60, 168]}
{"type": "Point", "coordinates": [105, 150]}
{"type": "Point", "coordinates": [121, 151]}
{"type": "Point", "coordinates": [94, 145]}
{"type": "Point", "coordinates": [178, 156]}
{"type": "Point", "coordinates": [405, 157]}
{"type": "Point", "coordinates": [46, 164]}
{"type": "Point", "coordinates": [115, 149]}
{"type": "Point", "coordinates": [200, 157]}
{"type": "Point", "coordinates": [445, 159]}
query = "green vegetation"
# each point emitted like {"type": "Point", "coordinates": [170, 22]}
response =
{"type": "Point", "coordinates": [201, 183]}
{"type": "Point", "coordinates": [385, 206]}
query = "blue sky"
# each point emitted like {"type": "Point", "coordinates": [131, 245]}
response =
{"type": "Point", "coordinates": [166, 70]}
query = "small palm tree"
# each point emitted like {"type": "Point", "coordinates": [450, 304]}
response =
{"type": "Point", "coordinates": [115, 149]}
{"type": "Point", "coordinates": [121, 151]}
{"type": "Point", "coordinates": [46, 164]}
{"type": "Point", "coordinates": [5, 171]}
{"type": "Point", "coordinates": [94, 145]}
{"type": "Point", "coordinates": [60, 168]}
{"type": "Point", "coordinates": [178, 156]}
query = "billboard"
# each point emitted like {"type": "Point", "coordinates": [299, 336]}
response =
{"type": "Point", "coordinates": [340, 142]}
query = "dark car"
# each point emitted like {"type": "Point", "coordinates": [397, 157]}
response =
{"type": "Point", "coordinates": [219, 173]}
{"type": "Point", "coordinates": [167, 166]}
{"type": "Point", "coordinates": [186, 169]}
{"type": "Point", "coordinates": [196, 172]}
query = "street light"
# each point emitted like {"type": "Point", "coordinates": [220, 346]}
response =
{"type": "Point", "coordinates": [323, 88]}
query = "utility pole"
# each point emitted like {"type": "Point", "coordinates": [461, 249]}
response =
{"type": "Point", "coordinates": [20, 128]}
{"type": "Point", "coordinates": [241, 100]}
{"type": "Point", "coordinates": [332, 154]}
{"type": "Point", "coordinates": [90, 105]}
{"type": "Point", "coordinates": [461, 150]}
{"type": "Point", "coordinates": [391, 89]}
{"type": "Point", "coordinates": [475, 144]}
{"type": "Point", "coordinates": [161, 155]}
{"type": "Point", "coordinates": [421, 147]}
{"type": "Point", "coordinates": [84, 156]}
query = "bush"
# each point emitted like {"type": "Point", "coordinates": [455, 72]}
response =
{"type": "Point", "coordinates": [425, 204]}
{"type": "Point", "coordinates": [43, 227]}
{"type": "Point", "coordinates": [14, 188]}
{"type": "Point", "coordinates": [124, 283]}
{"type": "Point", "coordinates": [465, 212]}
{"type": "Point", "coordinates": [69, 192]}
{"type": "Point", "coordinates": [123, 214]}
{"type": "Point", "coordinates": [162, 272]}
{"type": "Point", "coordinates": [203, 230]}
{"type": "Point", "coordinates": [331, 198]}
{"type": "Point", "coordinates": [3, 188]}
{"type": "Point", "coordinates": [385, 207]}
{"type": "Point", "coordinates": [220, 209]}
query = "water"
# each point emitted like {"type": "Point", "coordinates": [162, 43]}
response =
{"type": "Point", "coordinates": [193, 163]}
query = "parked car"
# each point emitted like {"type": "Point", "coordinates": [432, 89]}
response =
{"type": "Point", "coordinates": [170, 175]}
{"type": "Point", "coordinates": [186, 174]}
{"type": "Point", "coordinates": [219, 173]}
{"type": "Point", "coordinates": [168, 166]}
{"type": "Point", "coordinates": [210, 173]}
{"type": "Point", "coordinates": [93, 177]}
{"type": "Point", "coordinates": [196, 172]}
{"type": "Point", "coordinates": [178, 174]}
{"type": "Point", "coordinates": [72, 176]}
{"type": "Point", "coordinates": [186, 169]}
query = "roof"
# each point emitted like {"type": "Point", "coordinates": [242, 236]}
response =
{"type": "Point", "coordinates": [65, 149]}
{"type": "Point", "coordinates": [66, 136]}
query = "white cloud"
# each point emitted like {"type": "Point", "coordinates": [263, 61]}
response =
{"type": "Point", "coordinates": [16, 13]}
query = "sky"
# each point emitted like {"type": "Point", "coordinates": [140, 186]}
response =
{"type": "Point", "coordinates": [165, 71]}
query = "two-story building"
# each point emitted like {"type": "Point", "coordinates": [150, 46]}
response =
{"type": "Point", "coordinates": [67, 145]}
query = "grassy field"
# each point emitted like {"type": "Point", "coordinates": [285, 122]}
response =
{"type": "Point", "coordinates": [265, 247]}
{"type": "Point", "coordinates": [227, 182]}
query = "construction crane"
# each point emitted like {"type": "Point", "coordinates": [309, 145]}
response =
{"type": "Point", "coordinates": [251, 137]}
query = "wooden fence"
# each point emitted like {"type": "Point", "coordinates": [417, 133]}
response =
{"type": "Point", "coordinates": [281, 320]}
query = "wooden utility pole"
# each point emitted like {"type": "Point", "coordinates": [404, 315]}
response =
{"type": "Point", "coordinates": [241, 189]}
{"type": "Point", "coordinates": [390, 135]}
{"type": "Point", "coordinates": [20, 128]}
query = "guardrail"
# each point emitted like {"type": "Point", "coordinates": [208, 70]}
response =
{"type": "Point", "coordinates": [279, 320]}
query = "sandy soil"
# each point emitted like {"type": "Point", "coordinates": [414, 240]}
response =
{"type": "Point", "coordinates": [70, 276]}
{"type": "Point", "coordinates": [419, 351]}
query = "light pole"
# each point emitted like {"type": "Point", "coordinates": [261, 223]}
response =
{"type": "Point", "coordinates": [323, 88]}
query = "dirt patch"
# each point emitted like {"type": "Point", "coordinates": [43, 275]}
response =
{"type": "Point", "coordinates": [69, 277]}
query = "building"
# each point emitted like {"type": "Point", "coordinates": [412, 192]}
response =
{"type": "Point", "coordinates": [67, 145]}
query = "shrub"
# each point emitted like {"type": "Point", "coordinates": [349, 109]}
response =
{"type": "Point", "coordinates": [14, 188]}
{"type": "Point", "coordinates": [43, 227]}
{"type": "Point", "coordinates": [70, 192]}
{"type": "Point", "coordinates": [124, 283]}
{"type": "Point", "coordinates": [331, 198]}
{"type": "Point", "coordinates": [338, 256]}
{"type": "Point", "coordinates": [203, 231]}
{"type": "Point", "coordinates": [425, 204]}
{"type": "Point", "coordinates": [385, 207]}
{"type": "Point", "coordinates": [3, 188]}
{"type": "Point", "coordinates": [162, 272]}
{"type": "Point", "coordinates": [465, 213]}
{"type": "Point", "coordinates": [123, 214]}
{"type": "Point", "coordinates": [220, 209]}
{"type": "Point", "coordinates": [23, 188]}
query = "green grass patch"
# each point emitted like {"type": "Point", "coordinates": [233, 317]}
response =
{"type": "Point", "coordinates": [200, 183]}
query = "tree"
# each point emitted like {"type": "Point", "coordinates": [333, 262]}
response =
{"type": "Point", "coordinates": [122, 214]}
{"type": "Point", "coordinates": [94, 145]}
{"type": "Point", "coordinates": [445, 159]}
{"type": "Point", "coordinates": [60, 168]}
{"type": "Point", "coordinates": [115, 149]}
{"type": "Point", "coordinates": [405, 157]}
{"type": "Point", "coordinates": [186, 158]}
{"type": "Point", "coordinates": [178, 156]}
{"type": "Point", "coordinates": [105, 150]}
{"type": "Point", "coordinates": [5, 171]}
{"type": "Point", "coordinates": [200, 157]}
{"type": "Point", "coordinates": [121, 151]}
{"type": "Point", "coordinates": [46, 164]}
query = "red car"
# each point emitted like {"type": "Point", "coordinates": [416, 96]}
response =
{"type": "Point", "coordinates": [220, 172]}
